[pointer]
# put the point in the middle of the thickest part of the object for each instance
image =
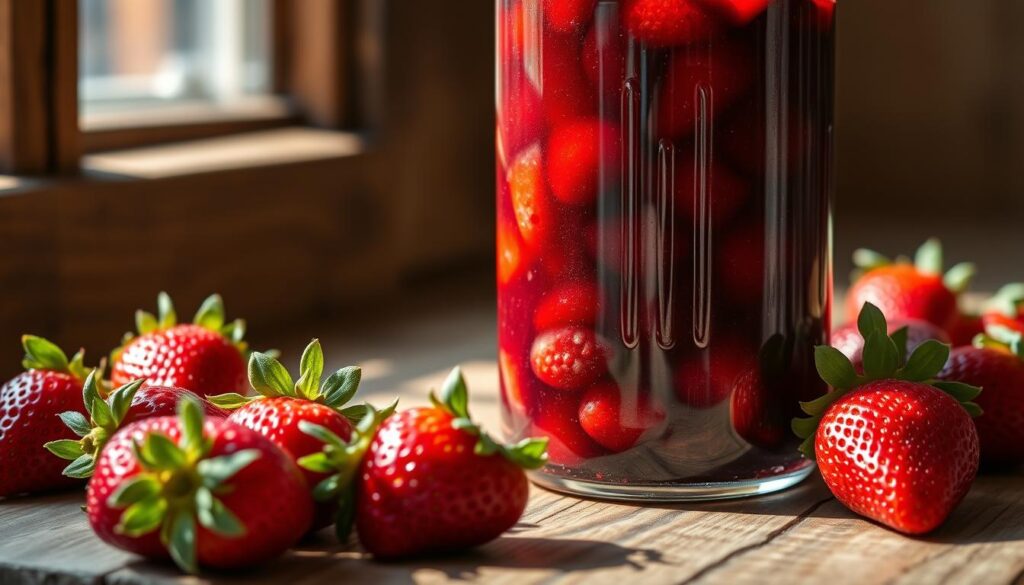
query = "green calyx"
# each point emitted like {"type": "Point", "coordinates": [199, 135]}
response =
{"type": "Point", "coordinates": [271, 380]}
{"type": "Point", "coordinates": [1009, 301]}
{"type": "Point", "coordinates": [929, 259]}
{"type": "Point", "coordinates": [341, 459]}
{"type": "Point", "coordinates": [885, 358]}
{"type": "Point", "coordinates": [41, 354]}
{"type": "Point", "coordinates": [210, 316]}
{"type": "Point", "coordinates": [530, 453]}
{"type": "Point", "coordinates": [180, 486]}
{"type": "Point", "coordinates": [105, 418]}
{"type": "Point", "coordinates": [1001, 339]}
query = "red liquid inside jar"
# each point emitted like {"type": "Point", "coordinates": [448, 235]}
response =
{"type": "Point", "coordinates": [664, 250]}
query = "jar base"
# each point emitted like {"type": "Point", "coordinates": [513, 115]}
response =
{"type": "Point", "coordinates": [667, 492]}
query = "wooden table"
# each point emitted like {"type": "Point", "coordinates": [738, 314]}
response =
{"type": "Point", "coordinates": [799, 536]}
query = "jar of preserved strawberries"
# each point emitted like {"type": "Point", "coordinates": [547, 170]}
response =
{"type": "Point", "coordinates": [664, 238]}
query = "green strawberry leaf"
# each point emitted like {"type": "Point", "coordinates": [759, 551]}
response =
{"type": "Point", "coordinates": [901, 338]}
{"type": "Point", "coordinates": [182, 542]}
{"type": "Point", "coordinates": [145, 322]}
{"type": "Point", "coordinates": [137, 489]}
{"type": "Point", "coordinates": [215, 516]}
{"type": "Point", "coordinates": [231, 400]}
{"type": "Point", "coordinates": [959, 277]}
{"type": "Point", "coordinates": [805, 427]}
{"type": "Point", "coordinates": [871, 320]}
{"type": "Point", "coordinates": [339, 388]}
{"type": "Point", "coordinates": [162, 452]}
{"type": "Point", "coordinates": [210, 314]}
{"type": "Point", "coordinates": [530, 453]}
{"type": "Point", "coordinates": [217, 470]}
{"type": "Point", "coordinates": [193, 441]}
{"type": "Point", "coordinates": [81, 468]}
{"type": "Point", "coordinates": [926, 361]}
{"type": "Point", "coordinates": [235, 331]}
{"type": "Point", "coordinates": [962, 392]}
{"type": "Point", "coordinates": [834, 367]}
{"type": "Point", "coordinates": [317, 463]}
{"type": "Point", "coordinates": [41, 354]}
{"type": "Point", "coordinates": [322, 434]}
{"type": "Point", "coordinates": [881, 356]}
{"type": "Point", "coordinates": [98, 409]}
{"type": "Point", "coordinates": [972, 409]}
{"type": "Point", "coordinates": [454, 394]}
{"type": "Point", "coordinates": [346, 514]}
{"type": "Point", "coordinates": [76, 422]}
{"type": "Point", "coordinates": [311, 369]}
{"type": "Point", "coordinates": [77, 365]}
{"type": "Point", "coordinates": [165, 311]}
{"type": "Point", "coordinates": [120, 401]}
{"type": "Point", "coordinates": [868, 260]}
{"type": "Point", "coordinates": [69, 449]}
{"type": "Point", "coordinates": [142, 517]}
{"type": "Point", "coordinates": [269, 377]}
{"type": "Point", "coordinates": [929, 257]}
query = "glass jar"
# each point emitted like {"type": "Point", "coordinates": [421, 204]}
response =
{"type": "Point", "coordinates": [664, 238]}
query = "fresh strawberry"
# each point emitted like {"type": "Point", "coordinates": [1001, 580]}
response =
{"type": "Point", "coordinates": [510, 252]}
{"type": "Point", "coordinates": [909, 291]}
{"type": "Point", "coordinates": [205, 357]}
{"type": "Point", "coordinates": [566, 94]}
{"type": "Point", "coordinates": [848, 339]}
{"type": "Point", "coordinates": [30, 405]}
{"type": "Point", "coordinates": [739, 12]}
{"type": "Point", "coordinates": [663, 23]}
{"type": "Point", "coordinates": [707, 377]}
{"type": "Point", "coordinates": [211, 494]}
{"type": "Point", "coordinates": [569, 358]}
{"type": "Point", "coordinates": [431, 481]}
{"type": "Point", "coordinates": [104, 415]}
{"type": "Point", "coordinates": [996, 364]}
{"type": "Point", "coordinates": [892, 444]}
{"type": "Point", "coordinates": [757, 413]}
{"type": "Point", "coordinates": [580, 157]}
{"type": "Point", "coordinates": [572, 303]}
{"type": "Point", "coordinates": [723, 72]}
{"type": "Point", "coordinates": [282, 406]}
{"type": "Point", "coordinates": [616, 421]}
{"type": "Point", "coordinates": [716, 192]}
{"type": "Point", "coordinates": [965, 328]}
{"type": "Point", "coordinates": [1005, 309]}
{"type": "Point", "coordinates": [531, 202]}
{"type": "Point", "coordinates": [568, 16]}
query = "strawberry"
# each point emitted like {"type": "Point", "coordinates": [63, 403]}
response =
{"type": "Point", "coordinates": [206, 357]}
{"type": "Point", "coordinates": [569, 358]}
{"type": "Point", "coordinates": [106, 414]}
{"type": "Point", "coordinates": [756, 412]}
{"type": "Point", "coordinates": [531, 203]}
{"type": "Point", "coordinates": [428, 480]}
{"type": "Point", "coordinates": [211, 494]}
{"type": "Point", "coordinates": [572, 303]}
{"type": "Point", "coordinates": [996, 364]}
{"type": "Point", "coordinates": [282, 406]}
{"type": "Point", "coordinates": [510, 252]}
{"type": "Point", "coordinates": [30, 404]}
{"type": "Point", "coordinates": [663, 23]}
{"type": "Point", "coordinates": [965, 327]}
{"type": "Point", "coordinates": [739, 12]}
{"type": "Point", "coordinates": [716, 192]}
{"type": "Point", "coordinates": [580, 156]}
{"type": "Point", "coordinates": [708, 376]}
{"type": "Point", "coordinates": [848, 339]}
{"type": "Point", "coordinates": [909, 291]}
{"type": "Point", "coordinates": [1005, 309]}
{"type": "Point", "coordinates": [567, 16]}
{"type": "Point", "coordinates": [618, 421]}
{"type": "Point", "coordinates": [723, 72]}
{"type": "Point", "coordinates": [557, 419]}
{"type": "Point", "coordinates": [892, 444]}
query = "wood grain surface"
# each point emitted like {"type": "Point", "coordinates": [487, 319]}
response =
{"type": "Point", "coordinates": [799, 536]}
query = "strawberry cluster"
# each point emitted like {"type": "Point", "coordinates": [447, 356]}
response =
{"type": "Point", "coordinates": [229, 480]}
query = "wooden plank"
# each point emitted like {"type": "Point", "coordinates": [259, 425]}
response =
{"type": "Point", "coordinates": [62, 87]}
{"type": "Point", "coordinates": [24, 92]}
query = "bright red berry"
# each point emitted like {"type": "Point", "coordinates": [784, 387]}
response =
{"type": "Point", "coordinates": [557, 419]}
{"type": "Point", "coordinates": [662, 23]}
{"type": "Point", "coordinates": [29, 407]}
{"type": "Point", "coordinates": [757, 409]}
{"type": "Point", "coordinates": [739, 12]}
{"type": "Point", "coordinates": [573, 303]}
{"type": "Point", "coordinates": [618, 421]}
{"type": "Point", "coordinates": [568, 16]}
{"type": "Point", "coordinates": [205, 357]}
{"type": "Point", "coordinates": [581, 156]}
{"type": "Point", "coordinates": [570, 358]}
{"type": "Point", "coordinates": [210, 494]}
{"type": "Point", "coordinates": [965, 328]}
{"type": "Point", "coordinates": [510, 252]}
{"type": "Point", "coordinates": [1005, 309]}
{"type": "Point", "coordinates": [707, 377]}
{"type": "Point", "coordinates": [890, 445]}
{"type": "Point", "coordinates": [909, 291]}
{"type": "Point", "coordinates": [531, 203]}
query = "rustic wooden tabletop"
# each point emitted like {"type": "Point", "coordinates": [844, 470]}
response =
{"type": "Point", "coordinates": [799, 536]}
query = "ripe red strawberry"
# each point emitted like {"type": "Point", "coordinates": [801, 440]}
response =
{"type": "Point", "coordinates": [531, 203]}
{"type": "Point", "coordinates": [724, 71]}
{"type": "Point", "coordinates": [282, 406]}
{"type": "Point", "coordinates": [757, 412]}
{"type": "Point", "coordinates": [739, 12]}
{"type": "Point", "coordinates": [29, 407]}
{"type": "Point", "coordinates": [848, 339]}
{"type": "Point", "coordinates": [581, 156]}
{"type": "Point", "coordinates": [996, 364]}
{"type": "Point", "coordinates": [965, 328]}
{"type": "Point", "coordinates": [892, 444]}
{"type": "Point", "coordinates": [718, 192]}
{"type": "Point", "coordinates": [616, 421]}
{"type": "Point", "coordinates": [573, 303]}
{"type": "Point", "coordinates": [568, 16]}
{"type": "Point", "coordinates": [209, 494]}
{"type": "Point", "coordinates": [104, 415]}
{"type": "Point", "coordinates": [707, 377]}
{"type": "Point", "coordinates": [662, 23]}
{"type": "Point", "coordinates": [909, 291]}
{"type": "Point", "coordinates": [206, 357]}
{"type": "Point", "coordinates": [1005, 309]}
{"type": "Point", "coordinates": [431, 480]}
{"type": "Point", "coordinates": [569, 358]}
{"type": "Point", "coordinates": [510, 252]}
{"type": "Point", "coordinates": [557, 418]}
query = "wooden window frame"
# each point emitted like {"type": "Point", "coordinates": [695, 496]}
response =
{"type": "Point", "coordinates": [40, 132]}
